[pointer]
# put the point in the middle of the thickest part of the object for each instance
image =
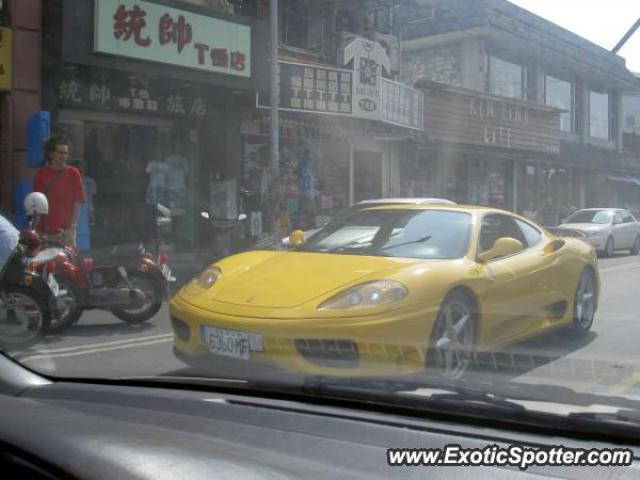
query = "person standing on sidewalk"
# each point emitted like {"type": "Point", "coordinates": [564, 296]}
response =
{"type": "Point", "coordinates": [62, 185]}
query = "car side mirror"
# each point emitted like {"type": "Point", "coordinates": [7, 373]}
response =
{"type": "Point", "coordinates": [503, 247]}
{"type": "Point", "coordinates": [296, 238]}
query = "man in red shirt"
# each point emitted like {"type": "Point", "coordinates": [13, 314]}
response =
{"type": "Point", "coordinates": [62, 185]}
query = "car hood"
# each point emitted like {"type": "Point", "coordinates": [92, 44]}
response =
{"type": "Point", "coordinates": [587, 227]}
{"type": "Point", "coordinates": [291, 279]}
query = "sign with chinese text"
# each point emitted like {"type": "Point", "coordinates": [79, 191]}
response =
{"type": "Point", "coordinates": [459, 116]}
{"type": "Point", "coordinates": [152, 32]}
{"type": "Point", "coordinates": [315, 89]}
{"type": "Point", "coordinates": [119, 94]}
{"type": "Point", "coordinates": [402, 105]}
{"type": "Point", "coordinates": [369, 60]}
{"type": "Point", "coordinates": [312, 88]}
{"type": "Point", "coordinates": [6, 58]}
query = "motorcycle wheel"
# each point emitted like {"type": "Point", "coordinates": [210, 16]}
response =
{"type": "Point", "coordinates": [152, 290]}
{"type": "Point", "coordinates": [25, 327]}
{"type": "Point", "coordinates": [73, 310]}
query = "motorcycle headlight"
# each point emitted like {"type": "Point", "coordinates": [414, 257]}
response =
{"type": "Point", "coordinates": [204, 281]}
{"type": "Point", "coordinates": [371, 294]}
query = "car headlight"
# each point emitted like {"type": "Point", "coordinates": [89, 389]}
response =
{"type": "Point", "coordinates": [594, 233]}
{"type": "Point", "coordinates": [380, 292]}
{"type": "Point", "coordinates": [204, 281]}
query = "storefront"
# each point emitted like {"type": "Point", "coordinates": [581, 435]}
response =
{"type": "Point", "coordinates": [548, 194]}
{"type": "Point", "coordinates": [153, 110]}
{"type": "Point", "coordinates": [325, 166]}
{"type": "Point", "coordinates": [478, 143]}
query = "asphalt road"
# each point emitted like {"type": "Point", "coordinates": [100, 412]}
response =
{"type": "Point", "coordinates": [605, 361]}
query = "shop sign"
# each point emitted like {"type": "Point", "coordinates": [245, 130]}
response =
{"type": "Point", "coordinates": [369, 61]}
{"type": "Point", "coordinates": [311, 88]}
{"type": "Point", "coordinates": [6, 58]}
{"type": "Point", "coordinates": [458, 116]}
{"type": "Point", "coordinates": [402, 105]}
{"type": "Point", "coordinates": [315, 89]}
{"type": "Point", "coordinates": [74, 92]}
{"type": "Point", "coordinates": [152, 32]}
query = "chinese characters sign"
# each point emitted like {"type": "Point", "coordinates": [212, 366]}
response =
{"type": "Point", "coordinates": [369, 60]}
{"type": "Point", "coordinates": [315, 89]}
{"type": "Point", "coordinates": [117, 95]}
{"type": "Point", "coordinates": [402, 105]}
{"type": "Point", "coordinates": [152, 32]}
{"type": "Point", "coordinates": [5, 58]}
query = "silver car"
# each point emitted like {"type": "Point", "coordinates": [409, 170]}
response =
{"type": "Point", "coordinates": [607, 229]}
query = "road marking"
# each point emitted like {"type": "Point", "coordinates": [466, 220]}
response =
{"type": "Point", "coordinates": [32, 358]}
{"type": "Point", "coordinates": [625, 384]}
{"type": "Point", "coordinates": [102, 344]}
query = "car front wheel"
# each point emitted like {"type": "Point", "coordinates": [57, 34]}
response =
{"type": "Point", "coordinates": [584, 308]}
{"type": "Point", "coordinates": [635, 250]}
{"type": "Point", "coordinates": [453, 335]}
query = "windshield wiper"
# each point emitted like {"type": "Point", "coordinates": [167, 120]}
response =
{"type": "Point", "coordinates": [420, 240]}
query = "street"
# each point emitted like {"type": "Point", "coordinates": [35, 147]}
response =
{"type": "Point", "coordinates": [605, 361]}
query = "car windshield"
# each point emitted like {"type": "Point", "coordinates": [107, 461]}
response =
{"type": "Point", "coordinates": [366, 194]}
{"type": "Point", "coordinates": [601, 217]}
{"type": "Point", "coordinates": [423, 234]}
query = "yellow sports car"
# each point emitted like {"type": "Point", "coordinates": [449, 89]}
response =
{"type": "Point", "coordinates": [390, 290]}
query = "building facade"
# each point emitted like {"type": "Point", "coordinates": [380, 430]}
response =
{"type": "Point", "coordinates": [494, 74]}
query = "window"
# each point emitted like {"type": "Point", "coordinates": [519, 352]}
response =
{"type": "Point", "coordinates": [499, 226]}
{"type": "Point", "coordinates": [599, 115]}
{"type": "Point", "coordinates": [559, 93]}
{"type": "Point", "coordinates": [425, 234]}
{"type": "Point", "coordinates": [505, 78]}
{"type": "Point", "coordinates": [626, 217]}
{"type": "Point", "coordinates": [531, 234]}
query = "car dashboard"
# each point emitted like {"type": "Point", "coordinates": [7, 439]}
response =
{"type": "Point", "coordinates": [73, 429]}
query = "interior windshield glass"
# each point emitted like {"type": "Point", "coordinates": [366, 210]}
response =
{"type": "Point", "coordinates": [398, 233]}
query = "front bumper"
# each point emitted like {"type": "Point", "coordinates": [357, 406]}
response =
{"type": "Point", "coordinates": [393, 343]}
{"type": "Point", "coordinates": [598, 242]}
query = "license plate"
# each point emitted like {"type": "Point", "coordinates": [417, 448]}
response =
{"type": "Point", "coordinates": [232, 343]}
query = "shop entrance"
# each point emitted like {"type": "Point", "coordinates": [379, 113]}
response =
{"type": "Point", "coordinates": [131, 167]}
{"type": "Point", "coordinates": [367, 175]}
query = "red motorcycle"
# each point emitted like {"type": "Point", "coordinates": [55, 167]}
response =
{"type": "Point", "coordinates": [133, 294]}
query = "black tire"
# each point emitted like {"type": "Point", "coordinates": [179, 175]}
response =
{"type": "Point", "coordinates": [609, 248]}
{"type": "Point", "coordinates": [635, 250]}
{"type": "Point", "coordinates": [585, 302]}
{"type": "Point", "coordinates": [152, 287]}
{"type": "Point", "coordinates": [70, 317]}
{"type": "Point", "coordinates": [452, 363]}
{"type": "Point", "coordinates": [37, 305]}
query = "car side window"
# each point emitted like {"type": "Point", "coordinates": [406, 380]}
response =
{"type": "Point", "coordinates": [626, 217]}
{"type": "Point", "coordinates": [531, 234]}
{"type": "Point", "coordinates": [617, 219]}
{"type": "Point", "coordinates": [495, 226]}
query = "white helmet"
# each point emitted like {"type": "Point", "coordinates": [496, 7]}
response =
{"type": "Point", "coordinates": [36, 204]}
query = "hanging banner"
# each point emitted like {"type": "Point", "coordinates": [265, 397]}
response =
{"type": "Point", "coordinates": [370, 61]}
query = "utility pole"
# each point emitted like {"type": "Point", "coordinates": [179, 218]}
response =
{"type": "Point", "coordinates": [626, 36]}
{"type": "Point", "coordinates": [275, 116]}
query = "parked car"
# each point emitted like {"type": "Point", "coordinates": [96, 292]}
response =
{"type": "Point", "coordinates": [607, 229]}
